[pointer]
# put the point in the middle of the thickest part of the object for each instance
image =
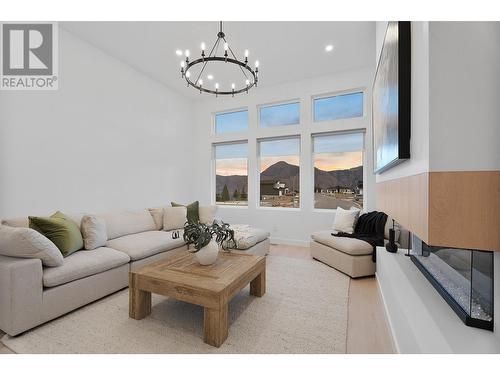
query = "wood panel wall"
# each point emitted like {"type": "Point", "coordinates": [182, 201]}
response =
{"type": "Point", "coordinates": [464, 209]}
{"type": "Point", "coordinates": [455, 209]}
{"type": "Point", "coordinates": [406, 200]}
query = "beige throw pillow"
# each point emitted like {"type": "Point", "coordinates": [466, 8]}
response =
{"type": "Point", "coordinates": [94, 232]}
{"type": "Point", "coordinates": [174, 217]}
{"type": "Point", "coordinates": [28, 243]}
{"type": "Point", "coordinates": [207, 214]}
{"type": "Point", "coordinates": [345, 219]}
{"type": "Point", "coordinates": [157, 214]}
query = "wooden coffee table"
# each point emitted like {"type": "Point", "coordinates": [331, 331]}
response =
{"type": "Point", "coordinates": [182, 278]}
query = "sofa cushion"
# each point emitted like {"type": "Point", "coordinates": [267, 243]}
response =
{"type": "Point", "coordinates": [246, 236]}
{"type": "Point", "coordinates": [345, 220]}
{"type": "Point", "coordinates": [351, 246]}
{"type": "Point", "coordinates": [157, 214]}
{"type": "Point", "coordinates": [174, 218]}
{"type": "Point", "coordinates": [94, 232]}
{"type": "Point", "coordinates": [142, 245]}
{"type": "Point", "coordinates": [28, 243]}
{"type": "Point", "coordinates": [61, 230]}
{"type": "Point", "coordinates": [207, 214]}
{"type": "Point", "coordinates": [83, 264]}
{"type": "Point", "coordinates": [193, 211]}
{"type": "Point", "coordinates": [128, 222]}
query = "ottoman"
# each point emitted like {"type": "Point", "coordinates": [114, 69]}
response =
{"type": "Point", "coordinates": [348, 255]}
{"type": "Point", "coordinates": [250, 240]}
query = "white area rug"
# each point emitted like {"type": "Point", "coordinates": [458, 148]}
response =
{"type": "Point", "coordinates": [304, 310]}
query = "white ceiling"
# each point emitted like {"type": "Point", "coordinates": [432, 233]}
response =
{"type": "Point", "coordinates": [287, 51]}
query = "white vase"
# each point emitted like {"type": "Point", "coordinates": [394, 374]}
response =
{"type": "Point", "coordinates": [208, 255]}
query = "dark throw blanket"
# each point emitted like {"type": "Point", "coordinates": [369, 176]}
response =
{"type": "Point", "coordinates": [369, 228]}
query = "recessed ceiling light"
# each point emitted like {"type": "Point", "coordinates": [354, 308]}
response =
{"type": "Point", "coordinates": [210, 76]}
{"type": "Point", "coordinates": [329, 48]}
{"type": "Point", "coordinates": [178, 52]}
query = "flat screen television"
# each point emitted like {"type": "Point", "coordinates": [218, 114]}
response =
{"type": "Point", "coordinates": [391, 99]}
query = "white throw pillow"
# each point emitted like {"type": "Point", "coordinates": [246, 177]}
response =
{"type": "Point", "coordinates": [207, 214]}
{"type": "Point", "coordinates": [28, 243]}
{"type": "Point", "coordinates": [157, 213]}
{"type": "Point", "coordinates": [345, 220]}
{"type": "Point", "coordinates": [94, 232]}
{"type": "Point", "coordinates": [174, 217]}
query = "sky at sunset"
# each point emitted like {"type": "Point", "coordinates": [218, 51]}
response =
{"type": "Point", "coordinates": [340, 160]}
{"type": "Point", "coordinates": [231, 167]}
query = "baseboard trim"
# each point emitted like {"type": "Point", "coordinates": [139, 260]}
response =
{"type": "Point", "coordinates": [395, 344]}
{"type": "Point", "coordinates": [287, 241]}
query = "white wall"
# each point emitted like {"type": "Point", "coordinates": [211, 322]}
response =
{"type": "Point", "coordinates": [285, 225]}
{"type": "Point", "coordinates": [419, 142]}
{"type": "Point", "coordinates": [464, 96]}
{"type": "Point", "coordinates": [109, 138]}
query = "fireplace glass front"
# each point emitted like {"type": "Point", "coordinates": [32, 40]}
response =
{"type": "Point", "coordinates": [463, 277]}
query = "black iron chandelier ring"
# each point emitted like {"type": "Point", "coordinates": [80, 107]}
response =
{"type": "Point", "coordinates": [250, 75]}
{"type": "Point", "coordinates": [203, 60]}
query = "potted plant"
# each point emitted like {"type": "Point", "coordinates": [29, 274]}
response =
{"type": "Point", "coordinates": [207, 239]}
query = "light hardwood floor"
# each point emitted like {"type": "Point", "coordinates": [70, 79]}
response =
{"type": "Point", "coordinates": [367, 329]}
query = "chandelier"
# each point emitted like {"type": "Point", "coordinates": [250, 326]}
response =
{"type": "Point", "coordinates": [249, 77]}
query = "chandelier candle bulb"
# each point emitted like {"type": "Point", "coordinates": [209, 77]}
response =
{"type": "Point", "coordinates": [246, 53]}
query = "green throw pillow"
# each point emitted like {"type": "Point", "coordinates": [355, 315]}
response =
{"type": "Point", "coordinates": [193, 214]}
{"type": "Point", "coordinates": [61, 230]}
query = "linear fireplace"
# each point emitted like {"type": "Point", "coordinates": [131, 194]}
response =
{"type": "Point", "coordinates": [463, 277]}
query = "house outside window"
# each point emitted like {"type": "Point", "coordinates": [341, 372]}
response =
{"type": "Point", "coordinates": [279, 167]}
{"type": "Point", "coordinates": [338, 170]}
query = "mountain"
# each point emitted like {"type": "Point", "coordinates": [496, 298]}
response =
{"type": "Point", "coordinates": [290, 175]}
{"type": "Point", "coordinates": [232, 182]}
{"type": "Point", "coordinates": [345, 178]}
{"type": "Point", "coordinates": [283, 172]}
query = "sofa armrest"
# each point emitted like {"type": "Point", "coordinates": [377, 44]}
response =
{"type": "Point", "coordinates": [21, 290]}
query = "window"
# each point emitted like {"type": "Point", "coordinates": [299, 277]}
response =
{"type": "Point", "coordinates": [231, 122]}
{"type": "Point", "coordinates": [338, 170]}
{"type": "Point", "coordinates": [280, 115]}
{"type": "Point", "coordinates": [338, 107]}
{"type": "Point", "coordinates": [231, 174]}
{"type": "Point", "coordinates": [280, 172]}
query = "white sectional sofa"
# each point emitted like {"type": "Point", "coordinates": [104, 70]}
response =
{"type": "Point", "coordinates": [31, 294]}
